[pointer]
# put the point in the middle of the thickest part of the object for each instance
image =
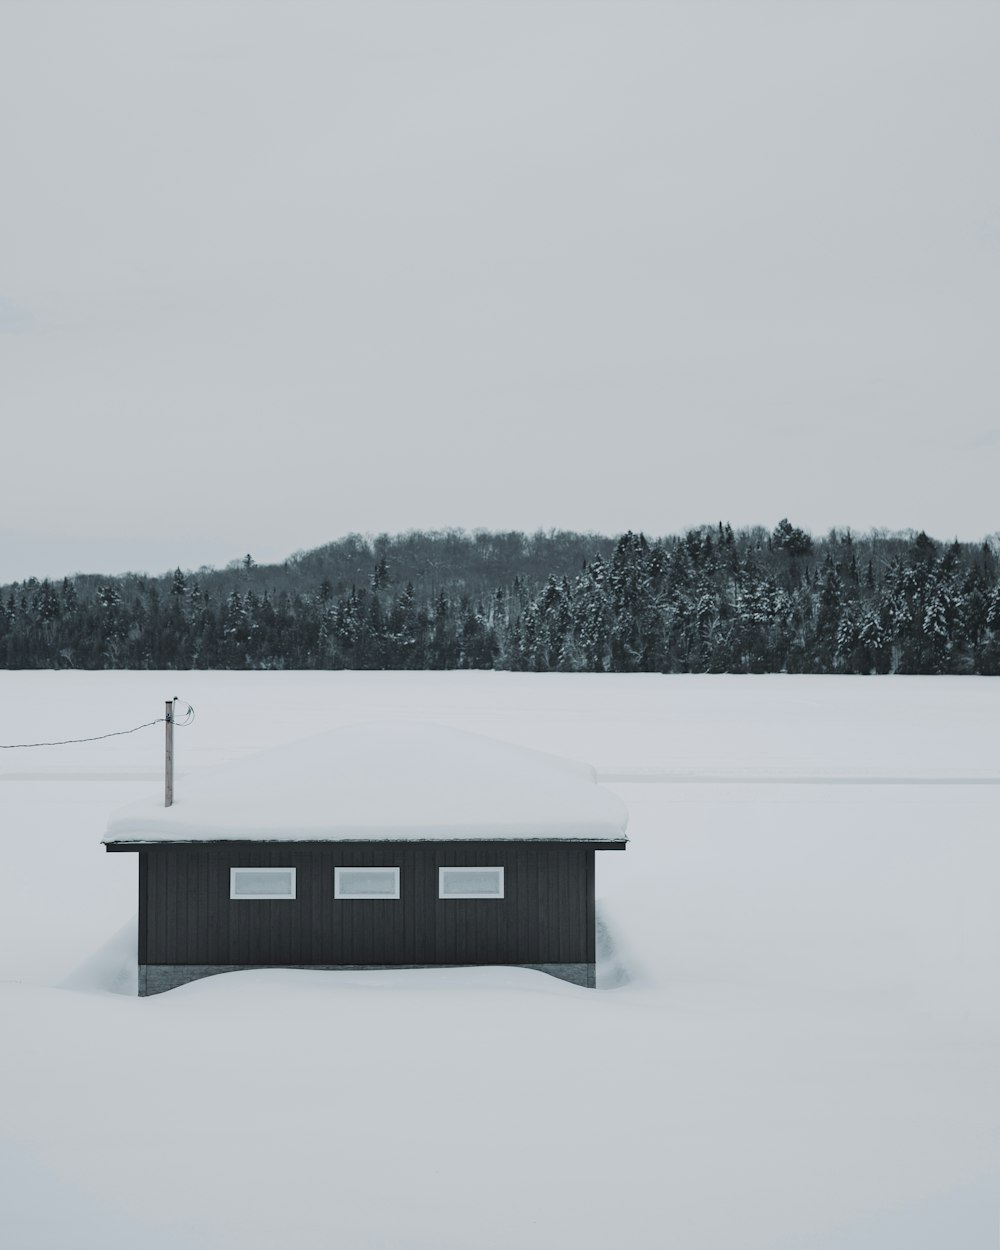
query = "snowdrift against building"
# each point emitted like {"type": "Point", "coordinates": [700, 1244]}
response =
{"type": "Point", "coordinates": [386, 781]}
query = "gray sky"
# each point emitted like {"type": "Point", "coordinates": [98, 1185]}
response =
{"type": "Point", "coordinates": [275, 272]}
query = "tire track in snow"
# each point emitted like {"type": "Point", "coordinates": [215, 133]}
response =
{"type": "Point", "coordinates": [665, 777]}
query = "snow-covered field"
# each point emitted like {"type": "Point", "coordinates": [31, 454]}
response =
{"type": "Point", "coordinates": [804, 1054]}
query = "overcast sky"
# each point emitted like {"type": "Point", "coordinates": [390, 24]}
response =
{"type": "Point", "coordinates": [276, 272]}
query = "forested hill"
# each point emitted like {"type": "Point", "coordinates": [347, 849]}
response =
{"type": "Point", "coordinates": [710, 600]}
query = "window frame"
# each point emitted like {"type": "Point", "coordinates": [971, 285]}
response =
{"type": "Point", "coordinates": [460, 868]}
{"type": "Point", "coordinates": [268, 871]}
{"type": "Point", "coordinates": [350, 869]}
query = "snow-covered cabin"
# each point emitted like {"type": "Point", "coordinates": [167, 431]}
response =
{"type": "Point", "coordinates": [382, 845]}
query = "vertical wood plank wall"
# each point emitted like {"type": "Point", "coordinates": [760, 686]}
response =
{"type": "Point", "coordinates": [546, 915]}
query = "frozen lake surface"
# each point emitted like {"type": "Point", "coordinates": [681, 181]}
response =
{"type": "Point", "coordinates": [796, 1045]}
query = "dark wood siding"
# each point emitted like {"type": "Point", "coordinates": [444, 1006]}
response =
{"type": "Point", "coordinates": [546, 915]}
{"type": "Point", "coordinates": [143, 908]}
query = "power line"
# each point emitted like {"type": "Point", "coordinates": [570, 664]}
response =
{"type": "Point", "coordinates": [16, 746]}
{"type": "Point", "coordinates": [118, 733]}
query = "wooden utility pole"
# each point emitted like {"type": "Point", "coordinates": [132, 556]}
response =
{"type": "Point", "coordinates": [168, 796]}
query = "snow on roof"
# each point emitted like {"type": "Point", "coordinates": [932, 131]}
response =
{"type": "Point", "coordinates": [384, 781]}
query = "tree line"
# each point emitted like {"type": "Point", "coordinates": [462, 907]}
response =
{"type": "Point", "coordinates": [713, 599]}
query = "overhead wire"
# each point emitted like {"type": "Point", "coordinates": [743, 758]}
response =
{"type": "Point", "coordinates": [118, 733]}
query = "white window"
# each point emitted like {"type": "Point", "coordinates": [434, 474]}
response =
{"type": "Point", "coordinates": [262, 883]}
{"type": "Point", "coordinates": [366, 883]}
{"type": "Point", "coordinates": [470, 883]}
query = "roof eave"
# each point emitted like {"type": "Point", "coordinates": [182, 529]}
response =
{"type": "Point", "coordinates": [146, 843]}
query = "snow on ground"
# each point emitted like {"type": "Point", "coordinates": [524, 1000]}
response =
{"type": "Point", "coordinates": [804, 1056]}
